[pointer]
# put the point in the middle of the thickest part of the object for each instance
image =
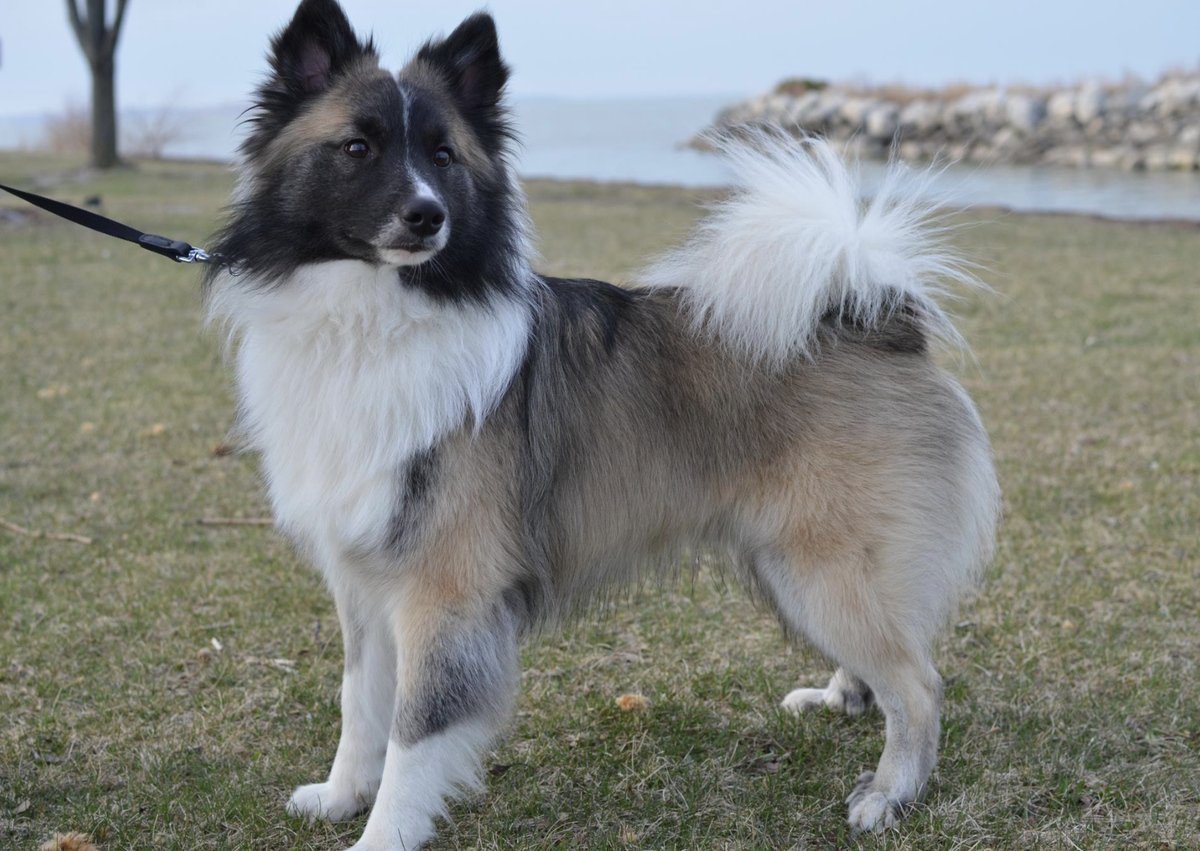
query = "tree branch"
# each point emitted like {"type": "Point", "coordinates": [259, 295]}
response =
{"type": "Point", "coordinates": [114, 32]}
{"type": "Point", "coordinates": [80, 29]}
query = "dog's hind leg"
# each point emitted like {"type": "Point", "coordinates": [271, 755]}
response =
{"type": "Point", "coordinates": [368, 692]}
{"type": "Point", "coordinates": [910, 694]}
{"type": "Point", "coordinates": [851, 609]}
{"type": "Point", "coordinates": [845, 693]}
{"type": "Point", "coordinates": [458, 672]}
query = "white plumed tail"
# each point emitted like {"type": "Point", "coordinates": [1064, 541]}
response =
{"type": "Point", "coordinates": [796, 240]}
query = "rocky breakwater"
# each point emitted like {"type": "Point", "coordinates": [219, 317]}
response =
{"type": "Point", "coordinates": [1127, 125]}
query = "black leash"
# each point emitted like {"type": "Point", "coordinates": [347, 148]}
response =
{"type": "Point", "coordinates": [176, 249]}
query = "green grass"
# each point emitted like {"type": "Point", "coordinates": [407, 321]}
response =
{"type": "Point", "coordinates": [1072, 717]}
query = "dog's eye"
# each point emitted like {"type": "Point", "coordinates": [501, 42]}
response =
{"type": "Point", "coordinates": [356, 148]}
{"type": "Point", "coordinates": [442, 157]}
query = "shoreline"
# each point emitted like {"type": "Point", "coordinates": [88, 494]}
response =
{"type": "Point", "coordinates": [60, 171]}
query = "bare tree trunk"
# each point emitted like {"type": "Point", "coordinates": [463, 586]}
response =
{"type": "Point", "coordinates": [98, 40]}
{"type": "Point", "coordinates": [104, 114]}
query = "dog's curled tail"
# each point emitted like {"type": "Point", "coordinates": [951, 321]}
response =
{"type": "Point", "coordinates": [796, 241]}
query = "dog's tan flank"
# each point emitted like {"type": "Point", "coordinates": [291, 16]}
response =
{"type": "Point", "coordinates": [468, 450]}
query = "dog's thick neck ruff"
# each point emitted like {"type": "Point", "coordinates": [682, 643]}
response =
{"type": "Point", "coordinates": [345, 373]}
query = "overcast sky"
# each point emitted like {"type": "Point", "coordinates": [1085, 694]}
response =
{"type": "Point", "coordinates": [207, 52]}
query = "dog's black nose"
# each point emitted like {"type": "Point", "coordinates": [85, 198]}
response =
{"type": "Point", "coordinates": [424, 217]}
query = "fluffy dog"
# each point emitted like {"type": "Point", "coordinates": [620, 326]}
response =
{"type": "Point", "coordinates": [466, 449]}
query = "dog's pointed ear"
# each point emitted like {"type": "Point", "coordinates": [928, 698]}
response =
{"type": "Point", "coordinates": [469, 59]}
{"type": "Point", "coordinates": [315, 47]}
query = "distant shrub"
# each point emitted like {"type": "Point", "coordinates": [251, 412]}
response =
{"type": "Point", "coordinates": [149, 136]}
{"type": "Point", "coordinates": [799, 85]}
{"type": "Point", "coordinates": [70, 131]}
{"type": "Point", "coordinates": [144, 136]}
{"type": "Point", "coordinates": [902, 93]}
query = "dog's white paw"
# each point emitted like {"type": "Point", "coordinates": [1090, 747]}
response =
{"type": "Point", "coordinates": [844, 695]}
{"type": "Point", "coordinates": [870, 809]}
{"type": "Point", "coordinates": [804, 700]}
{"type": "Point", "coordinates": [404, 834]}
{"type": "Point", "coordinates": [325, 802]}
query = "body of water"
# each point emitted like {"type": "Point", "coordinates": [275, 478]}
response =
{"type": "Point", "coordinates": [641, 141]}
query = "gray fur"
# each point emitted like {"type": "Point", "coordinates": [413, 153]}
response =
{"type": "Point", "coordinates": [466, 672]}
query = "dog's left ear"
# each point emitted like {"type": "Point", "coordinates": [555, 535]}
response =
{"type": "Point", "coordinates": [469, 59]}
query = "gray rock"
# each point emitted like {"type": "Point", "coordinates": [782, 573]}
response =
{"type": "Point", "coordinates": [1075, 156]}
{"type": "Point", "coordinates": [921, 117]}
{"type": "Point", "coordinates": [1172, 97]}
{"type": "Point", "coordinates": [1157, 157]}
{"type": "Point", "coordinates": [1182, 158]}
{"type": "Point", "coordinates": [827, 107]}
{"type": "Point", "coordinates": [883, 121]}
{"type": "Point", "coordinates": [854, 110]}
{"type": "Point", "coordinates": [758, 105]}
{"type": "Point", "coordinates": [1006, 141]}
{"type": "Point", "coordinates": [1110, 157]}
{"type": "Point", "coordinates": [1133, 159]}
{"type": "Point", "coordinates": [994, 104]}
{"type": "Point", "coordinates": [803, 107]}
{"type": "Point", "coordinates": [1142, 132]}
{"type": "Point", "coordinates": [1126, 98]}
{"type": "Point", "coordinates": [968, 109]}
{"type": "Point", "coordinates": [1090, 102]}
{"type": "Point", "coordinates": [980, 108]}
{"type": "Point", "coordinates": [1061, 106]}
{"type": "Point", "coordinates": [1025, 112]}
{"type": "Point", "coordinates": [779, 103]}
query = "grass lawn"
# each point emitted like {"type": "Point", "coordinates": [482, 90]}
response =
{"type": "Point", "coordinates": [1072, 715]}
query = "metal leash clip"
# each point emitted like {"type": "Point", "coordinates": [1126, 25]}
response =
{"type": "Point", "coordinates": [196, 255]}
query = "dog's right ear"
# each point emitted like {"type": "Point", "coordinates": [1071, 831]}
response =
{"type": "Point", "coordinates": [314, 48]}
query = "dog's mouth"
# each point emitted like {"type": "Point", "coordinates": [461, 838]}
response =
{"type": "Point", "coordinates": [407, 254]}
{"type": "Point", "coordinates": [405, 250]}
{"type": "Point", "coordinates": [410, 247]}
{"type": "Point", "coordinates": [395, 253]}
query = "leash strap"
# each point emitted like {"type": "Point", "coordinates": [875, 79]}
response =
{"type": "Point", "coordinates": [177, 250]}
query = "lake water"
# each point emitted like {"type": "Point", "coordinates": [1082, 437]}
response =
{"type": "Point", "coordinates": [641, 141]}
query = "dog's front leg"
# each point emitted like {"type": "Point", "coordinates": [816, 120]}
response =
{"type": "Point", "coordinates": [457, 672]}
{"type": "Point", "coordinates": [368, 698]}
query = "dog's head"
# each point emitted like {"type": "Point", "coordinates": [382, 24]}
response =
{"type": "Point", "coordinates": [348, 161]}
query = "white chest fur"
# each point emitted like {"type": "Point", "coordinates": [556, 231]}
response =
{"type": "Point", "coordinates": [343, 374]}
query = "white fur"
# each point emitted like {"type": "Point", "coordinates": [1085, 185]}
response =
{"type": "Point", "coordinates": [796, 240]}
{"type": "Point", "coordinates": [843, 694]}
{"type": "Point", "coordinates": [343, 373]}
{"type": "Point", "coordinates": [417, 780]}
{"type": "Point", "coordinates": [368, 709]}
{"type": "Point", "coordinates": [402, 257]}
{"type": "Point", "coordinates": [424, 190]}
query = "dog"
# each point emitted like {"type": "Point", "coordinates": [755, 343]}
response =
{"type": "Point", "coordinates": [467, 450]}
